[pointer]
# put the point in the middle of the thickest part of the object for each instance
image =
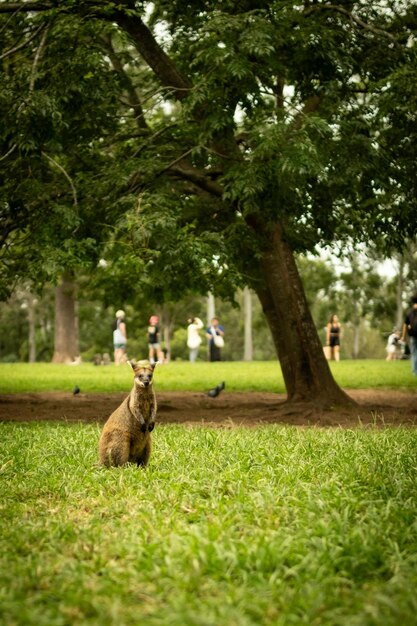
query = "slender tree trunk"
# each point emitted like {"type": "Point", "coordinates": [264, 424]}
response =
{"type": "Point", "coordinates": [66, 344]}
{"type": "Point", "coordinates": [305, 370]}
{"type": "Point", "coordinates": [356, 339]}
{"type": "Point", "coordinates": [399, 317]}
{"type": "Point", "coordinates": [247, 308]}
{"type": "Point", "coordinates": [32, 329]}
{"type": "Point", "coordinates": [167, 323]}
{"type": "Point", "coordinates": [211, 308]}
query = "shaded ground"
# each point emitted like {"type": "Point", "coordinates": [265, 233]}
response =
{"type": "Point", "coordinates": [228, 409]}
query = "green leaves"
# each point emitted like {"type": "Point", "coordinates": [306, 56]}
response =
{"type": "Point", "coordinates": [298, 114]}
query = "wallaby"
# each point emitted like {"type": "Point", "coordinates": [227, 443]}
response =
{"type": "Point", "coordinates": [126, 435]}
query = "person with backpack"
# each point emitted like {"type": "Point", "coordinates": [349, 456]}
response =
{"type": "Point", "coordinates": [410, 329]}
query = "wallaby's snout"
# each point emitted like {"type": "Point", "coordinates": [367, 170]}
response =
{"type": "Point", "coordinates": [144, 377]}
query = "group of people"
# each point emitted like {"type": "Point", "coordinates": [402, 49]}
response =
{"type": "Point", "coordinates": [215, 338]}
{"type": "Point", "coordinates": [214, 334]}
{"type": "Point", "coordinates": [396, 340]}
{"type": "Point", "coordinates": [120, 339]}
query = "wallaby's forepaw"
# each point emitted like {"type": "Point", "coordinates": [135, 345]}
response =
{"type": "Point", "coordinates": [143, 427]}
{"type": "Point", "coordinates": [151, 426]}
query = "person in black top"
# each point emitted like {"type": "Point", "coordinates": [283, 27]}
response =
{"type": "Point", "coordinates": [333, 331]}
{"type": "Point", "coordinates": [154, 344]}
{"type": "Point", "coordinates": [410, 329]}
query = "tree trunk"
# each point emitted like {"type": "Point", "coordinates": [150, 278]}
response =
{"type": "Point", "coordinates": [356, 339]}
{"type": "Point", "coordinates": [167, 323]}
{"type": "Point", "coordinates": [66, 344]}
{"type": "Point", "coordinates": [399, 317]}
{"type": "Point", "coordinates": [247, 308]}
{"type": "Point", "coordinates": [32, 329]}
{"type": "Point", "coordinates": [211, 308]}
{"type": "Point", "coordinates": [306, 373]}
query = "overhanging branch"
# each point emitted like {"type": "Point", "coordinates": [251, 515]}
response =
{"type": "Point", "coordinates": [199, 179]}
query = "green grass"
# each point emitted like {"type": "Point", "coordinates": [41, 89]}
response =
{"type": "Point", "coordinates": [184, 376]}
{"type": "Point", "coordinates": [273, 526]}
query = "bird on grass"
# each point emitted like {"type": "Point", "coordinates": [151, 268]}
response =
{"type": "Point", "coordinates": [76, 390]}
{"type": "Point", "coordinates": [213, 393]}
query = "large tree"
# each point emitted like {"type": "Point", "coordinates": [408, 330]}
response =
{"type": "Point", "coordinates": [273, 143]}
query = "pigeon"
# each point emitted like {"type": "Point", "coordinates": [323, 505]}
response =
{"type": "Point", "coordinates": [213, 393]}
{"type": "Point", "coordinates": [76, 390]}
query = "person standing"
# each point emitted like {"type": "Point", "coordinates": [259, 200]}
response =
{"type": "Point", "coordinates": [215, 333]}
{"type": "Point", "coordinates": [410, 329]}
{"type": "Point", "coordinates": [333, 332]}
{"type": "Point", "coordinates": [193, 338]}
{"type": "Point", "coordinates": [119, 338]}
{"type": "Point", "coordinates": [393, 345]}
{"type": "Point", "coordinates": [154, 343]}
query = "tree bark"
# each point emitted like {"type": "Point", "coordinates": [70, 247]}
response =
{"type": "Point", "coordinates": [66, 344]}
{"type": "Point", "coordinates": [211, 308]}
{"type": "Point", "coordinates": [399, 317]}
{"type": "Point", "coordinates": [247, 308]}
{"type": "Point", "coordinates": [306, 373]}
{"type": "Point", "coordinates": [32, 327]}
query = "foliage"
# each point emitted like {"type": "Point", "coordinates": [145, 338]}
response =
{"type": "Point", "coordinates": [305, 91]}
{"type": "Point", "coordinates": [58, 105]}
{"type": "Point", "coordinates": [273, 525]}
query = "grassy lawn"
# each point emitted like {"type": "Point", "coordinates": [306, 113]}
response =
{"type": "Point", "coordinates": [270, 526]}
{"type": "Point", "coordinates": [274, 526]}
{"type": "Point", "coordinates": [184, 376]}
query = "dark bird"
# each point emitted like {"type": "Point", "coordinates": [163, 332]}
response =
{"type": "Point", "coordinates": [76, 390]}
{"type": "Point", "coordinates": [213, 393]}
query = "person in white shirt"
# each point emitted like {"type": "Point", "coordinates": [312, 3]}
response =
{"type": "Point", "coordinates": [119, 338]}
{"type": "Point", "coordinates": [193, 338]}
{"type": "Point", "coordinates": [393, 345]}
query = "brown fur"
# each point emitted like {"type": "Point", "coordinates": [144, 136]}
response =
{"type": "Point", "coordinates": [126, 435]}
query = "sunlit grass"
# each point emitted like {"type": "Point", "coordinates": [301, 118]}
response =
{"type": "Point", "coordinates": [275, 526]}
{"type": "Point", "coordinates": [184, 376]}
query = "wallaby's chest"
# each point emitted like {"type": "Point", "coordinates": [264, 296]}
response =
{"type": "Point", "coordinates": [143, 403]}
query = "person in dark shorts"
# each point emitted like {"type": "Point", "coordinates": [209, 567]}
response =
{"type": "Point", "coordinates": [214, 334]}
{"type": "Point", "coordinates": [154, 343]}
{"type": "Point", "coordinates": [333, 332]}
{"type": "Point", "coordinates": [410, 330]}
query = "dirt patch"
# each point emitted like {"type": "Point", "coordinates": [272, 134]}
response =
{"type": "Point", "coordinates": [390, 408]}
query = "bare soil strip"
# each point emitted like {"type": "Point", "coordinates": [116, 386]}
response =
{"type": "Point", "coordinates": [375, 407]}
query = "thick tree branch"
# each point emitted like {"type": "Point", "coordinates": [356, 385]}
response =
{"type": "Point", "coordinates": [26, 7]}
{"type": "Point", "coordinates": [133, 99]}
{"type": "Point", "coordinates": [198, 179]}
{"type": "Point", "coordinates": [147, 46]}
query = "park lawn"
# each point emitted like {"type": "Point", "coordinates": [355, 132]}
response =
{"type": "Point", "coordinates": [272, 526]}
{"type": "Point", "coordinates": [183, 376]}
